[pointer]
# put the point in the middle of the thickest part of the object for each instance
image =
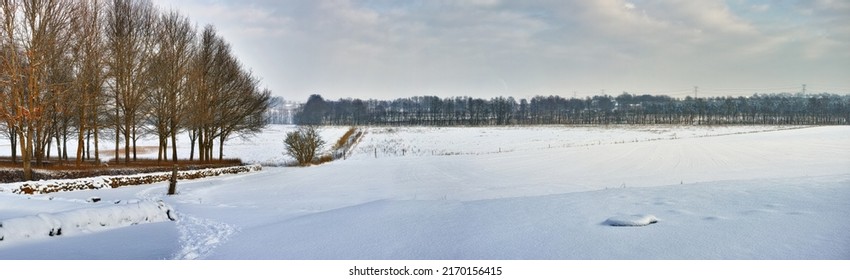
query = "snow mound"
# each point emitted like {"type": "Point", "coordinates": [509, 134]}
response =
{"type": "Point", "coordinates": [85, 220]}
{"type": "Point", "coordinates": [631, 221]}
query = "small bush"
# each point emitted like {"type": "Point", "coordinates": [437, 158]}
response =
{"type": "Point", "coordinates": [303, 143]}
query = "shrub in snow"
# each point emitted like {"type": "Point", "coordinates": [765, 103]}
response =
{"type": "Point", "coordinates": [303, 143]}
{"type": "Point", "coordinates": [84, 220]}
{"type": "Point", "coordinates": [631, 221]}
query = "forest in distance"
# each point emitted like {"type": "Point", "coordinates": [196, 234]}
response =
{"type": "Point", "coordinates": [758, 109]}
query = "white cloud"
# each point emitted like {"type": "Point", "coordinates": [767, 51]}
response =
{"type": "Point", "coordinates": [350, 48]}
{"type": "Point", "coordinates": [760, 8]}
{"type": "Point", "coordinates": [241, 19]}
{"type": "Point", "coordinates": [348, 14]}
{"type": "Point", "coordinates": [480, 3]}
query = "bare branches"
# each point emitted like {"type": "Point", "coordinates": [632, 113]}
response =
{"type": "Point", "coordinates": [33, 32]}
{"type": "Point", "coordinates": [225, 97]}
{"type": "Point", "coordinates": [130, 29]}
{"type": "Point", "coordinates": [303, 143]}
{"type": "Point", "coordinates": [69, 66]}
{"type": "Point", "coordinates": [87, 50]}
{"type": "Point", "coordinates": [169, 73]}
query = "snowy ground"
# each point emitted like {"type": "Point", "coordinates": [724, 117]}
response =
{"type": "Point", "coordinates": [494, 193]}
{"type": "Point", "coordinates": [266, 148]}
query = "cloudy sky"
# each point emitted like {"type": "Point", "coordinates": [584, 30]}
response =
{"type": "Point", "coordinates": [388, 49]}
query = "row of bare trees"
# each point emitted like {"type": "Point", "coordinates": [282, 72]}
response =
{"type": "Point", "coordinates": [759, 109]}
{"type": "Point", "coordinates": [120, 69]}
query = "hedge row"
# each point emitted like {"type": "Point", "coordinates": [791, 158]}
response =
{"type": "Point", "coordinates": [12, 175]}
{"type": "Point", "coordinates": [42, 187]}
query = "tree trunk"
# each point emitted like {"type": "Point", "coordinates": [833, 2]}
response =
{"type": "Point", "coordinates": [80, 130]}
{"type": "Point", "coordinates": [172, 186]}
{"type": "Point", "coordinates": [192, 137]}
{"type": "Point", "coordinates": [26, 152]}
{"type": "Point", "coordinates": [134, 144]}
{"type": "Point", "coordinates": [49, 144]}
{"type": "Point", "coordinates": [65, 145]}
{"type": "Point", "coordinates": [96, 132]}
{"type": "Point", "coordinates": [174, 144]}
{"type": "Point", "coordinates": [117, 134]}
{"type": "Point", "coordinates": [88, 145]}
{"type": "Point", "coordinates": [221, 148]}
{"type": "Point", "coordinates": [13, 138]}
{"type": "Point", "coordinates": [202, 151]}
{"type": "Point", "coordinates": [127, 136]}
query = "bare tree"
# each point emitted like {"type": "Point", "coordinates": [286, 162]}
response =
{"type": "Point", "coordinates": [12, 80]}
{"type": "Point", "coordinates": [201, 77]}
{"type": "Point", "coordinates": [87, 47]}
{"type": "Point", "coordinates": [170, 72]}
{"type": "Point", "coordinates": [224, 96]}
{"type": "Point", "coordinates": [303, 143]}
{"type": "Point", "coordinates": [33, 33]}
{"type": "Point", "coordinates": [244, 113]}
{"type": "Point", "coordinates": [64, 63]}
{"type": "Point", "coordinates": [129, 34]}
{"type": "Point", "coordinates": [62, 99]}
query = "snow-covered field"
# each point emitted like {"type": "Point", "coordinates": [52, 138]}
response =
{"type": "Point", "coordinates": [266, 148]}
{"type": "Point", "coordinates": [546, 192]}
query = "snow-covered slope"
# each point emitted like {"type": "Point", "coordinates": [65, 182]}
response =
{"type": "Point", "coordinates": [718, 193]}
{"type": "Point", "coordinates": [85, 220]}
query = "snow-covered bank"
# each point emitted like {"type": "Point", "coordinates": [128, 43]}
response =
{"type": "Point", "coordinates": [85, 220]}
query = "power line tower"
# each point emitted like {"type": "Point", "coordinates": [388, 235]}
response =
{"type": "Point", "coordinates": [804, 89]}
{"type": "Point", "coordinates": [696, 93]}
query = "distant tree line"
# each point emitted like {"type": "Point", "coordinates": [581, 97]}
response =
{"type": "Point", "coordinates": [280, 111]}
{"type": "Point", "coordinates": [117, 69]}
{"type": "Point", "coordinates": [763, 109]}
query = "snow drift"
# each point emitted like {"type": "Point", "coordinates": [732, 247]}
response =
{"type": "Point", "coordinates": [84, 220]}
{"type": "Point", "coordinates": [631, 221]}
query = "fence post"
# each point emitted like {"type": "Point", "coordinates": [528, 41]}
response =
{"type": "Point", "coordinates": [172, 183]}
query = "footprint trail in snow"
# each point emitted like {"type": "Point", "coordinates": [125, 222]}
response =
{"type": "Point", "coordinates": [199, 236]}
